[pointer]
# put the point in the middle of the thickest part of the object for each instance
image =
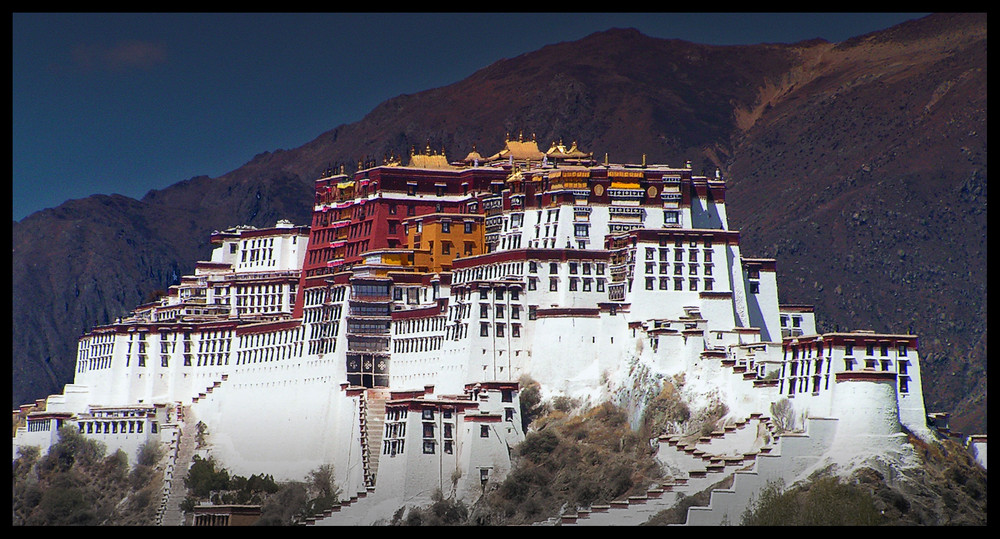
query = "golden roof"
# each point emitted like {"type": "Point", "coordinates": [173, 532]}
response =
{"type": "Point", "coordinates": [519, 150]}
{"type": "Point", "coordinates": [559, 151]}
{"type": "Point", "coordinates": [473, 156]}
{"type": "Point", "coordinates": [429, 159]}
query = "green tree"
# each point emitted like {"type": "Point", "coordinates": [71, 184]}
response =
{"type": "Point", "coordinates": [202, 478]}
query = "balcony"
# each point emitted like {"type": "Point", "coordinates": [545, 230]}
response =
{"type": "Point", "coordinates": [626, 193]}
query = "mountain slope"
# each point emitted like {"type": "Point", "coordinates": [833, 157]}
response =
{"type": "Point", "coordinates": [860, 166]}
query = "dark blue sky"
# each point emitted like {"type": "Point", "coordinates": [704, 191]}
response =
{"type": "Point", "coordinates": [125, 103]}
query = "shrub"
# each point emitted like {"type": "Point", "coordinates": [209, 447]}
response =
{"type": "Point", "coordinates": [116, 466]}
{"type": "Point", "coordinates": [149, 453]}
{"type": "Point", "coordinates": [530, 398]}
{"type": "Point", "coordinates": [72, 448]}
{"type": "Point", "coordinates": [287, 503]}
{"type": "Point", "coordinates": [203, 478]}
{"type": "Point", "coordinates": [783, 415]}
{"type": "Point", "coordinates": [564, 404]}
{"type": "Point", "coordinates": [537, 446]}
{"type": "Point", "coordinates": [321, 479]}
{"type": "Point", "coordinates": [140, 476]}
{"type": "Point", "coordinates": [709, 416]}
{"type": "Point", "coordinates": [63, 507]}
{"type": "Point", "coordinates": [442, 512]}
{"type": "Point", "coordinates": [582, 459]}
{"type": "Point", "coordinates": [826, 501]}
{"type": "Point", "coordinates": [665, 411]}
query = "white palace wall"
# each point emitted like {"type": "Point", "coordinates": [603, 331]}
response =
{"type": "Point", "coordinates": [285, 419]}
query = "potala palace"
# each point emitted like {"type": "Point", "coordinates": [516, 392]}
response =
{"type": "Point", "coordinates": [388, 337]}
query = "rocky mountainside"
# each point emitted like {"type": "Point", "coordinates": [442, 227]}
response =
{"type": "Point", "coordinates": [860, 166]}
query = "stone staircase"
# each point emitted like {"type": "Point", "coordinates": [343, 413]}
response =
{"type": "Point", "coordinates": [794, 454]}
{"type": "Point", "coordinates": [695, 467]}
{"type": "Point", "coordinates": [354, 511]}
{"type": "Point", "coordinates": [181, 451]}
{"type": "Point", "coordinates": [209, 389]}
{"type": "Point", "coordinates": [372, 419]}
{"type": "Point", "coordinates": [635, 510]}
{"type": "Point", "coordinates": [349, 512]}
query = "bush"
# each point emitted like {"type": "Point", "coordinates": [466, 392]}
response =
{"type": "Point", "coordinates": [115, 466]}
{"type": "Point", "coordinates": [288, 502]}
{"type": "Point", "coordinates": [592, 457]}
{"type": "Point", "coordinates": [783, 415]}
{"type": "Point", "coordinates": [665, 412]}
{"type": "Point", "coordinates": [443, 512]}
{"type": "Point", "coordinates": [321, 479]}
{"type": "Point", "coordinates": [149, 453]}
{"type": "Point", "coordinates": [26, 459]}
{"type": "Point", "coordinates": [709, 416]}
{"type": "Point", "coordinates": [63, 507]}
{"type": "Point", "coordinates": [140, 476]}
{"type": "Point", "coordinates": [531, 402]}
{"type": "Point", "coordinates": [72, 448]}
{"type": "Point", "coordinates": [825, 502]}
{"type": "Point", "coordinates": [202, 478]}
{"type": "Point", "coordinates": [564, 404]}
